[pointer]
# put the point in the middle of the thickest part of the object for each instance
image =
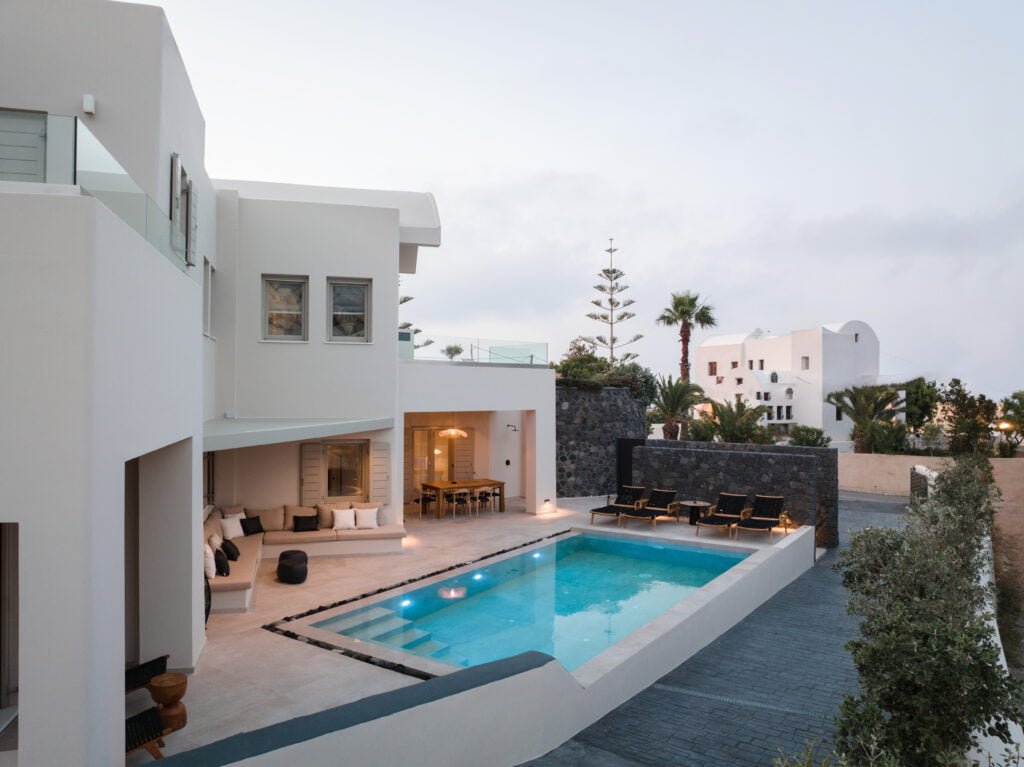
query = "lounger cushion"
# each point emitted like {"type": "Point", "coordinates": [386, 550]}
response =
{"type": "Point", "coordinates": [615, 510]}
{"type": "Point", "coordinates": [759, 524]}
{"type": "Point", "coordinates": [714, 519]}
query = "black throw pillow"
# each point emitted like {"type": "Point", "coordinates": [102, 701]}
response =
{"type": "Point", "coordinates": [252, 525]}
{"type": "Point", "coordinates": [220, 559]}
{"type": "Point", "coordinates": [229, 548]}
{"type": "Point", "coordinates": [306, 524]}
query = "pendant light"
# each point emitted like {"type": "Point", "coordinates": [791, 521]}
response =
{"type": "Point", "coordinates": [452, 432]}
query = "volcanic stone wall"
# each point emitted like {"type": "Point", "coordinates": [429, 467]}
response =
{"type": "Point", "coordinates": [808, 477]}
{"type": "Point", "coordinates": [587, 424]}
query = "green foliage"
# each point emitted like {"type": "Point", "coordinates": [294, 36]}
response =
{"type": "Point", "coordinates": [886, 437]}
{"type": "Point", "coordinates": [808, 436]}
{"type": "Point", "coordinates": [688, 312]}
{"type": "Point", "coordinates": [702, 429]}
{"type": "Point", "coordinates": [612, 310]}
{"type": "Point", "coordinates": [638, 379]}
{"type": "Point", "coordinates": [933, 437]}
{"type": "Point", "coordinates": [1012, 415]}
{"type": "Point", "coordinates": [738, 422]}
{"type": "Point", "coordinates": [864, 405]}
{"type": "Point", "coordinates": [927, 660]}
{"type": "Point", "coordinates": [922, 400]}
{"type": "Point", "coordinates": [968, 419]}
{"type": "Point", "coordinates": [452, 351]}
{"type": "Point", "coordinates": [673, 402]}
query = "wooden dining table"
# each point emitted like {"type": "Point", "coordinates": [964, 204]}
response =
{"type": "Point", "coordinates": [463, 484]}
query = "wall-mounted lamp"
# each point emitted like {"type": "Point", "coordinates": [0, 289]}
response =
{"type": "Point", "coordinates": [89, 104]}
{"type": "Point", "coordinates": [513, 427]}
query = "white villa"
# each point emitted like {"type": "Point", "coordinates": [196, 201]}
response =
{"type": "Point", "coordinates": [186, 342]}
{"type": "Point", "coordinates": [791, 374]}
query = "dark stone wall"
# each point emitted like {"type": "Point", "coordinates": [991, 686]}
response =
{"type": "Point", "coordinates": [808, 477]}
{"type": "Point", "coordinates": [587, 424]}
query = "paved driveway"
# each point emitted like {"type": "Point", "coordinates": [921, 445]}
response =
{"type": "Point", "coordinates": [772, 682]}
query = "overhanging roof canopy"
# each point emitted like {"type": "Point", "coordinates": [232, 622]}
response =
{"type": "Point", "coordinates": [229, 433]}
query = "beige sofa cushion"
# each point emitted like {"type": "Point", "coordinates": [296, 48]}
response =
{"type": "Point", "coordinates": [290, 512]}
{"type": "Point", "coordinates": [211, 527]}
{"type": "Point", "coordinates": [228, 511]}
{"type": "Point", "coordinates": [362, 505]}
{"type": "Point", "coordinates": [272, 519]}
{"type": "Point", "coordinates": [325, 512]}
{"type": "Point", "coordinates": [289, 538]}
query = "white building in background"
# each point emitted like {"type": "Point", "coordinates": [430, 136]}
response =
{"type": "Point", "coordinates": [791, 374]}
{"type": "Point", "coordinates": [175, 342]}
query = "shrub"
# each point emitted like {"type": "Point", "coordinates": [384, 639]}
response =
{"type": "Point", "coordinates": [701, 430]}
{"type": "Point", "coordinates": [927, 660]}
{"type": "Point", "coordinates": [808, 436]}
{"type": "Point", "coordinates": [886, 437]}
{"type": "Point", "coordinates": [967, 419]}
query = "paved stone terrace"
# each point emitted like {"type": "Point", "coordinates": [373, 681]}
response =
{"type": "Point", "coordinates": [772, 682]}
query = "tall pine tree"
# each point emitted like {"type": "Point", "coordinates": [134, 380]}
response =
{"type": "Point", "coordinates": [612, 309]}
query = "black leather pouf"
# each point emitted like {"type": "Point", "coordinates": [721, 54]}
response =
{"type": "Point", "coordinates": [292, 567]}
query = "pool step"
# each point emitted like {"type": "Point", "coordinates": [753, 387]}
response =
{"type": "Point", "coordinates": [404, 636]}
{"type": "Point", "coordinates": [343, 624]}
{"type": "Point", "coordinates": [430, 648]}
{"type": "Point", "coordinates": [378, 628]}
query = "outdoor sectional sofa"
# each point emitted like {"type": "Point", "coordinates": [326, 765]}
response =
{"type": "Point", "coordinates": [233, 592]}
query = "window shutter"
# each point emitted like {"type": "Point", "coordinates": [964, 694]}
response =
{"type": "Point", "coordinates": [380, 472]}
{"type": "Point", "coordinates": [464, 468]}
{"type": "Point", "coordinates": [193, 226]}
{"type": "Point", "coordinates": [311, 479]}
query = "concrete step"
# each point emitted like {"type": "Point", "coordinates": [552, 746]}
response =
{"type": "Point", "coordinates": [343, 623]}
{"type": "Point", "coordinates": [378, 628]}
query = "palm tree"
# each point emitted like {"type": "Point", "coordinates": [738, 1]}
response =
{"type": "Point", "coordinates": [687, 311]}
{"type": "Point", "coordinates": [673, 402]}
{"type": "Point", "coordinates": [737, 422]}
{"type": "Point", "coordinates": [865, 405]}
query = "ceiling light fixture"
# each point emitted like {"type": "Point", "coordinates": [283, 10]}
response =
{"type": "Point", "coordinates": [452, 432]}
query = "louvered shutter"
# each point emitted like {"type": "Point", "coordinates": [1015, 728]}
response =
{"type": "Point", "coordinates": [464, 456]}
{"type": "Point", "coordinates": [311, 474]}
{"type": "Point", "coordinates": [193, 226]}
{"type": "Point", "coordinates": [380, 472]}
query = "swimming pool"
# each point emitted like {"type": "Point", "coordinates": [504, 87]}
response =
{"type": "Point", "coordinates": [571, 599]}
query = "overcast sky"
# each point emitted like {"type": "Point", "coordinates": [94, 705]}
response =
{"type": "Point", "coordinates": [795, 163]}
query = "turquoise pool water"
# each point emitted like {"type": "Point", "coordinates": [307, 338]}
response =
{"type": "Point", "coordinates": [570, 599]}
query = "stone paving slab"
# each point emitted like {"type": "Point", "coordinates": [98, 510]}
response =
{"type": "Point", "coordinates": [774, 681]}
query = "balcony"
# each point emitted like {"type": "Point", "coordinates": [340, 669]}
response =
{"type": "Point", "coordinates": [460, 349]}
{"type": "Point", "coordinates": [61, 149]}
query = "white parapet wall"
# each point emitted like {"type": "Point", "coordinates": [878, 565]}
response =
{"type": "Point", "coordinates": [539, 705]}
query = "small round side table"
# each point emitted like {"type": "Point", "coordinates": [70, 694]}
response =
{"type": "Point", "coordinates": [167, 690]}
{"type": "Point", "coordinates": [697, 509]}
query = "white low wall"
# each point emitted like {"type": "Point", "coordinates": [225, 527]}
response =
{"type": "Point", "coordinates": [521, 717]}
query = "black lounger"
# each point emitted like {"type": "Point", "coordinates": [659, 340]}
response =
{"type": "Point", "coordinates": [627, 499]}
{"type": "Point", "coordinates": [662, 503]}
{"type": "Point", "coordinates": [725, 514]}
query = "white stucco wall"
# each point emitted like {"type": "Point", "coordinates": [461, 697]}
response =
{"type": "Point", "coordinates": [315, 378]}
{"type": "Point", "coordinates": [99, 369]}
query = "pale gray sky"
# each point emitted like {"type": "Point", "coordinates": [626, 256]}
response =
{"type": "Point", "coordinates": [794, 162]}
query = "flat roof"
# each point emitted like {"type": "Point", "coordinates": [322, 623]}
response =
{"type": "Point", "coordinates": [230, 433]}
{"type": "Point", "coordinates": [418, 220]}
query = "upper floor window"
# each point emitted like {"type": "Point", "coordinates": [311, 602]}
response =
{"type": "Point", "coordinates": [805, 363]}
{"type": "Point", "coordinates": [184, 217]}
{"type": "Point", "coordinates": [789, 394]}
{"type": "Point", "coordinates": [856, 337]}
{"type": "Point", "coordinates": [734, 365]}
{"type": "Point", "coordinates": [285, 308]}
{"type": "Point", "coordinates": [767, 396]}
{"type": "Point", "coordinates": [789, 412]}
{"type": "Point", "coordinates": [208, 272]}
{"type": "Point", "coordinates": [350, 310]}
{"type": "Point", "coordinates": [757, 395]}
{"type": "Point", "coordinates": [839, 413]}
{"type": "Point", "coordinates": [739, 382]}
{"type": "Point", "coordinates": [750, 364]}
{"type": "Point", "coordinates": [774, 377]}
{"type": "Point", "coordinates": [760, 364]}
{"type": "Point", "coordinates": [712, 368]}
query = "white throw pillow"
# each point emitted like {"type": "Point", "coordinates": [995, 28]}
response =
{"type": "Point", "coordinates": [344, 519]}
{"type": "Point", "coordinates": [215, 541]}
{"type": "Point", "coordinates": [366, 519]}
{"type": "Point", "coordinates": [231, 527]}
{"type": "Point", "coordinates": [209, 564]}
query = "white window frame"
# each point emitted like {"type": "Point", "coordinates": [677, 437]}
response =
{"type": "Point", "coordinates": [805, 363]}
{"type": "Point", "coordinates": [367, 336]}
{"type": "Point", "coordinates": [264, 325]}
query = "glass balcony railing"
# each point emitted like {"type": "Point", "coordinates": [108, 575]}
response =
{"type": "Point", "coordinates": [62, 150]}
{"type": "Point", "coordinates": [101, 176]}
{"type": "Point", "coordinates": [479, 350]}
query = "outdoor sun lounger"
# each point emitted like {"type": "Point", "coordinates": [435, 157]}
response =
{"type": "Point", "coordinates": [138, 677]}
{"type": "Point", "coordinates": [662, 503]}
{"type": "Point", "coordinates": [627, 500]}
{"type": "Point", "coordinates": [764, 516]}
{"type": "Point", "coordinates": [725, 514]}
{"type": "Point", "coordinates": [145, 730]}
